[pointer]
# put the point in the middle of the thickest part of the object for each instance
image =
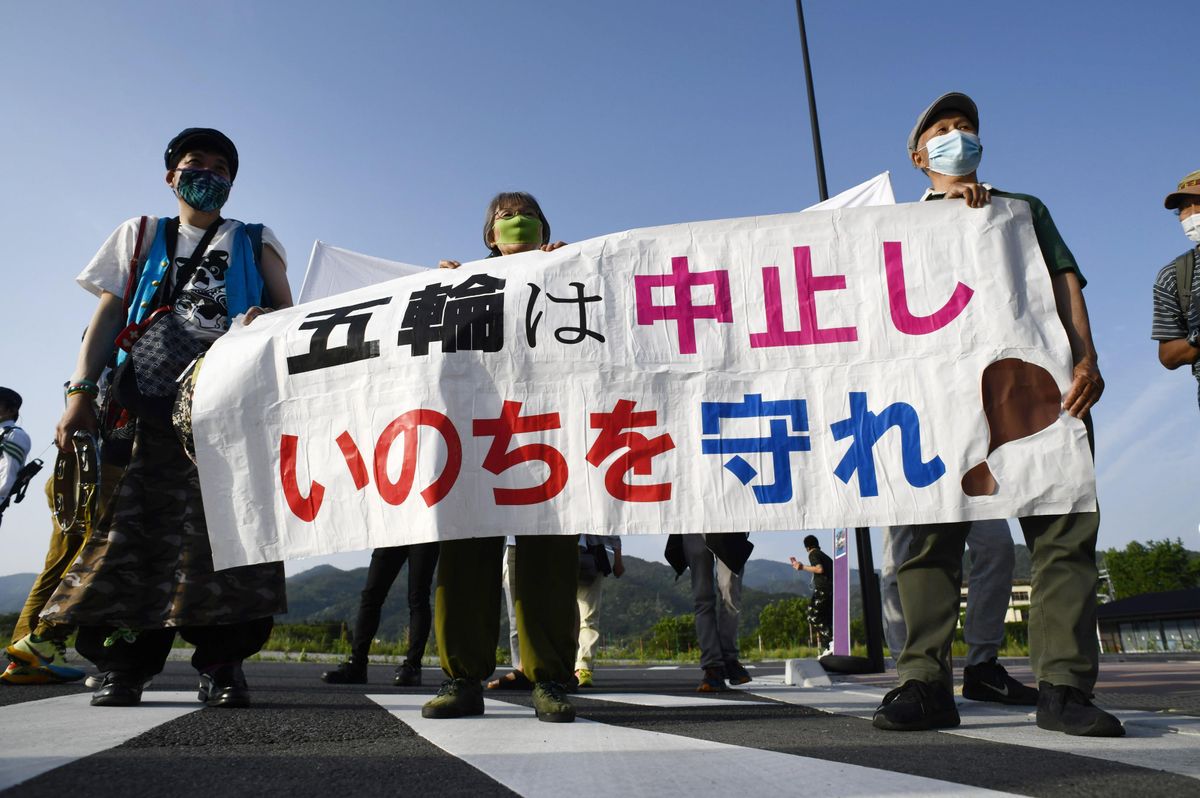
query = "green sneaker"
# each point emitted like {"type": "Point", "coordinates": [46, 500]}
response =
{"type": "Point", "coordinates": [45, 655]}
{"type": "Point", "coordinates": [551, 704]}
{"type": "Point", "coordinates": [457, 698]}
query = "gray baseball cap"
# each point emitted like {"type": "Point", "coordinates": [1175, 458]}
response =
{"type": "Point", "coordinates": [950, 101]}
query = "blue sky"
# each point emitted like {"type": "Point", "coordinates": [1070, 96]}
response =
{"type": "Point", "coordinates": [385, 128]}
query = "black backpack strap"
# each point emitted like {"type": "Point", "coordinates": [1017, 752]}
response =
{"type": "Point", "coordinates": [1185, 267]}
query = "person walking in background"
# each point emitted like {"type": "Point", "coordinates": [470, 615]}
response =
{"type": "Point", "coordinates": [820, 604]}
{"type": "Point", "coordinates": [386, 563]}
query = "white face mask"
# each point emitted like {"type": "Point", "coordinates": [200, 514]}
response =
{"type": "Point", "coordinates": [1191, 227]}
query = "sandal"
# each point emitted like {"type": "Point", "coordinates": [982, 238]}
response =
{"type": "Point", "coordinates": [513, 680]}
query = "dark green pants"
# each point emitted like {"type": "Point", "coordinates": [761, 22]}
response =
{"type": "Point", "coordinates": [467, 605]}
{"type": "Point", "coordinates": [1063, 648]}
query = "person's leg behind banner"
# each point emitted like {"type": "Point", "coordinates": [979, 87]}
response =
{"type": "Point", "coordinates": [547, 577]}
{"type": "Point", "coordinates": [897, 540]}
{"type": "Point", "coordinates": [729, 612]}
{"type": "Point", "coordinates": [386, 563]}
{"type": "Point", "coordinates": [930, 585]}
{"type": "Point", "coordinates": [466, 618]}
{"type": "Point", "coordinates": [701, 563]}
{"type": "Point", "coordinates": [422, 565]}
{"type": "Point", "coordinates": [587, 599]}
{"type": "Point", "coordinates": [989, 593]}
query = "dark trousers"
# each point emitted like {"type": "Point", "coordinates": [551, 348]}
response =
{"type": "Point", "coordinates": [820, 617]}
{"type": "Point", "coordinates": [385, 567]}
{"type": "Point", "coordinates": [215, 645]}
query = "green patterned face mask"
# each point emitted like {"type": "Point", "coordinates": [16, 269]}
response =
{"type": "Point", "coordinates": [520, 229]}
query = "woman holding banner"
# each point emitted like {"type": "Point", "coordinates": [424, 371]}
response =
{"type": "Point", "coordinates": [467, 602]}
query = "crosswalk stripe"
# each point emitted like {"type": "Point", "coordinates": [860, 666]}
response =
{"type": "Point", "coordinates": [52, 732]}
{"type": "Point", "coordinates": [667, 701]}
{"type": "Point", "coordinates": [1152, 740]}
{"type": "Point", "coordinates": [597, 759]}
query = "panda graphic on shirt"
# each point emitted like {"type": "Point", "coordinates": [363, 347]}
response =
{"type": "Point", "coordinates": [202, 304]}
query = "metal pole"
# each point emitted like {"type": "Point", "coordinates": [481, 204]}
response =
{"type": "Point", "coordinates": [812, 106]}
{"type": "Point", "coordinates": [872, 602]}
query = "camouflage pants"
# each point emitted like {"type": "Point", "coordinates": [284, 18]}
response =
{"type": "Point", "coordinates": [148, 564]}
{"type": "Point", "coordinates": [820, 617]}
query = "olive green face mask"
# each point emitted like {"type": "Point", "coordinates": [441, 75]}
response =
{"type": "Point", "coordinates": [520, 229]}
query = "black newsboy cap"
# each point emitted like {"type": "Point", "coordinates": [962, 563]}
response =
{"type": "Point", "coordinates": [201, 138]}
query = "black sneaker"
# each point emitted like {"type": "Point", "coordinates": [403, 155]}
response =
{"type": "Point", "coordinates": [407, 676]}
{"type": "Point", "coordinates": [224, 686]}
{"type": "Point", "coordinates": [119, 689]}
{"type": "Point", "coordinates": [550, 703]}
{"type": "Point", "coordinates": [917, 706]}
{"type": "Point", "coordinates": [1070, 710]}
{"type": "Point", "coordinates": [713, 681]}
{"type": "Point", "coordinates": [351, 672]}
{"type": "Point", "coordinates": [990, 682]}
{"type": "Point", "coordinates": [457, 698]}
{"type": "Point", "coordinates": [736, 673]}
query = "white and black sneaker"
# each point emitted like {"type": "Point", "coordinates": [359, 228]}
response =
{"type": "Point", "coordinates": [989, 681]}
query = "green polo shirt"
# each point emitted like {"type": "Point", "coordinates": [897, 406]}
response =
{"type": "Point", "coordinates": [1054, 250]}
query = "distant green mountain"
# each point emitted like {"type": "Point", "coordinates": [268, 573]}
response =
{"type": "Point", "coordinates": [14, 589]}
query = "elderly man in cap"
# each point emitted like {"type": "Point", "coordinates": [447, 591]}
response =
{"type": "Point", "coordinates": [167, 288]}
{"type": "Point", "coordinates": [1176, 324]}
{"type": "Point", "coordinates": [1064, 653]}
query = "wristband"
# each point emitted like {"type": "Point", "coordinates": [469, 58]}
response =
{"type": "Point", "coordinates": [1194, 338]}
{"type": "Point", "coordinates": [83, 386]}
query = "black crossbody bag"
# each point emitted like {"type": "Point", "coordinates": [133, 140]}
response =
{"type": "Point", "coordinates": [160, 347]}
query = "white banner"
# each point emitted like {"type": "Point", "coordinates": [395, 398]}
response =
{"type": "Point", "coordinates": [800, 371]}
{"type": "Point", "coordinates": [333, 270]}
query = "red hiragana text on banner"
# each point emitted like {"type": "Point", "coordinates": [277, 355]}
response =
{"type": "Point", "coordinates": [500, 459]}
{"type": "Point", "coordinates": [902, 317]}
{"type": "Point", "coordinates": [408, 425]}
{"type": "Point", "coordinates": [684, 311]}
{"type": "Point", "coordinates": [391, 491]}
{"type": "Point", "coordinates": [642, 450]}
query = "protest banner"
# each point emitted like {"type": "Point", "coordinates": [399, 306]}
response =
{"type": "Point", "coordinates": [799, 371]}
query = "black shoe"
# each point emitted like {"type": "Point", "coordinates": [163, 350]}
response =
{"type": "Point", "coordinates": [119, 690]}
{"type": "Point", "coordinates": [1070, 710]}
{"type": "Point", "coordinates": [351, 672]}
{"type": "Point", "coordinates": [224, 686]}
{"type": "Point", "coordinates": [713, 681]}
{"type": "Point", "coordinates": [990, 682]}
{"type": "Point", "coordinates": [916, 706]}
{"type": "Point", "coordinates": [736, 673]}
{"type": "Point", "coordinates": [406, 676]}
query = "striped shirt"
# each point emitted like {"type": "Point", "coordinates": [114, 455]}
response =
{"type": "Point", "coordinates": [1169, 322]}
{"type": "Point", "coordinates": [14, 448]}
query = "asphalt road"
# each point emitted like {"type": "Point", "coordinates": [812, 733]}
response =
{"type": "Point", "coordinates": [303, 737]}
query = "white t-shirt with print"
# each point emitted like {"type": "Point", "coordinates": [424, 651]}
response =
{"type": "Point", "coordinates": [202, 304]}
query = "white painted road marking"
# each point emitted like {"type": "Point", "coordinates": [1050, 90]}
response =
{"type": "Point", "coordinates": [596, 759]}
{"type": "Point", "coordinates": [1152, 740]}
{"type": "Point", "coordinates": [669, 701]}
{"type": "Point", "coordinates": [46, 734]}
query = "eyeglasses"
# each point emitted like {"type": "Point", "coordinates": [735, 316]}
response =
{"type": "Point", "coordinates": [508, 213]}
